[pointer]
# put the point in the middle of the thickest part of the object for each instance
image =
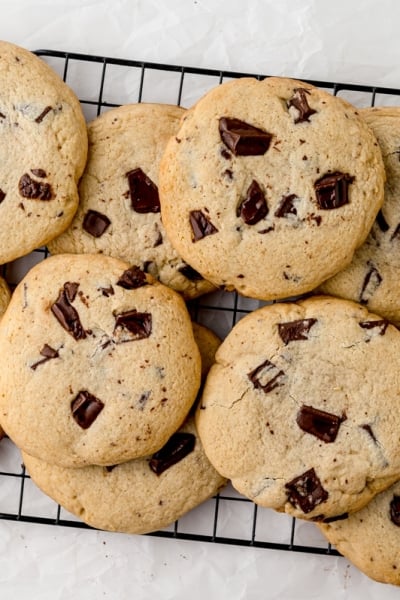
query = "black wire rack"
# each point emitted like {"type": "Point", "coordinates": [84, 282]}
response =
{"type": "Point", "coordinates": [102, 83]}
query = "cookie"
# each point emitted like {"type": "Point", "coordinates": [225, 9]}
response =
{"type": "Point", "coordinates": [5, 295]}
{"type": "Point", "coordinates": [145, 494]}
{"type": "Point", "coordinates": [369, 538]}
{"type": "Point", "coordinates": [43, 149]}
{"type": "Point", "coordinates": [98, 362]}
{"type": "Point", "coordinates": [373, 276]}
{"type": "Point", "coordinates": [119, 209]}
{"type": "Point", "coordinates": [301, 407]}
{"type": "Point", "coordinates": [269, 186]}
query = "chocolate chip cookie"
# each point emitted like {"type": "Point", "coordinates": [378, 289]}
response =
{"type": "Point", "coordinates": [369, 538]}
{"type": "Point", "coordinates": [119, 209]}
{"type": "Point", "coordinates": [98, 362]}
{"type": "Point", "coordinates": [43, 149]}
{"type": "Point", "coordinates": [373, 276]}
{"type": "Point", "coordinates": [141, 495]}
{"type": "Point", "coordinates": [302, 407]}
{"type": "Point", "coordinates": [269, 186]}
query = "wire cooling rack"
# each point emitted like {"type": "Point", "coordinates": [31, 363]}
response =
{"type": "Point", "coordinates": [102, 83]}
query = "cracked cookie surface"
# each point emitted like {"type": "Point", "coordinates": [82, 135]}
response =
{"type": "Point", "coordinates": [269, 186]}
{"type": "Point", "coordinates": [99, 362]}
{"type": "Point", "coordinates": [43, 150]}
{"type": "Point", "coordinates": [119, 209]}
{"type": "Point", "coordinates": [301, 409]}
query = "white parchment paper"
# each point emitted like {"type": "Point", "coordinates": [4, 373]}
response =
{"type": "Point", "coordinates": [345, 41]}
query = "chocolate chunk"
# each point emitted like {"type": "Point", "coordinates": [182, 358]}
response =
{"type": "Point", "coordinates": [39, 173]}
{"type": "Point", "coordinates": [2, 116]}
{"type": "Point", "coordinates": [295, 330]}
{"type": "Point", "coordinates": [143, 192]}
{"type": "Point", "coordinates": [159, 239]}
{"type": "Point", "coordinates": [266, 376]}
{"type": "Point", "coordinates": [380, 324]}
{"type": "Point", "coordinates": [48, 352]}
{"type": "Point", "coordinates": [2, 195]}
{"type": "Point", "coordinates": [190, 273]}
{"type": "Point", "coordinates": [381, 221]}
{"type": "Point", "coordinates": [138, 324]}
{"type": "Point", "coordinates": [201, 225]}
{"type": "Point", "coordinates": [395, 510]}
{"type": "Point", "coordinates": [396, 233]}
{"type": "Point", "coordinates": [300, 103]}
{"type": "Point", "coordinates": [243, 139]}
{"type": "Point", "coordinates": [254, 207]}
{"type": "Point", "coordinates": [371, 282]}
{"type": "Point", "coordinates": [332, 190]}
{"type": "Point", "coordinates": [179, 445]}
{"type": "Point", "coordinates": [341, 517]}
{"type": "Point", "coordinates": [132, 278]}
{"type": "Point", "coordinates": [86, 408]}
{"type": "Point", "coordinates": [42, 115]}
{"type": "Point", "coordinates": [35, 190]}
{"type": "Point", "coordinates": [323, 425]}
{"type": "Point", "coordinates": [95, 223]}
{"type": "Point", "coordinates": [306, 492]}
{"type": "Point", "coordinates": [368, 429]}
{"type": "Point", "coordinates": [66, 314]}
{"type": "Point", "coordinates": [287, 206]}
{"type": "Point", "coordinates": [108, 291]}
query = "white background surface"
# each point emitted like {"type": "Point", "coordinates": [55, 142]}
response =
{"type": "Point", "coordinates": [336, 40]}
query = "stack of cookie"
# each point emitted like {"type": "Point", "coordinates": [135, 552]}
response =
{"type": "Point", "coordinates": [274, 189]}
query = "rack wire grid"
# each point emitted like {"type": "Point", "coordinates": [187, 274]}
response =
{"type": "Point", "coordinates": [102, 83]}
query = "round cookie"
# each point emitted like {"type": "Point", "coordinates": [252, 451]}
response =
{"type": "Point", "coordinates": [43, 150]}
{"type": "Point", "coordinates": [119, 208]}
{"type": "Point", "coordinates": [301, 408]}
{"type": "Point", "coordinates": [369, 538]}
{"type": "Point", "coordinates": [138, 496]}
{"type": "Point", "coordinates": [373, 276]}
{"type": "Point", "coordinates": [269, 186]}
{"type": "Point", "coordinates": [141, 495]}
{"type": "Point", "coordinates": [98, 362]}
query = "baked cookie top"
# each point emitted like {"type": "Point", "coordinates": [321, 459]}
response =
{"type": "Point", "coordinates": [43, 150]}
{"type": "Point", "coordinates": [119, 208]}
{"type": "Point", "coordinates": [144, 494]}
{"type": "Point", "coordinates": [373, 276]}
{"type": "Point", "coordinates": [300, 408]}
{"type": "Point", "coordinates": [369, 538]}
{"type": "Point", "coordinates": [99, 363]}
{"type": "Point", "coordinates": [269, 186]}
{"type": "Point", "coordinates": [5, 296]}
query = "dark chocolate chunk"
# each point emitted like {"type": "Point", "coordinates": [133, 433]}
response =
{"type": "Point", "coordinates": [35, 190]}
{"type": "Point", "coordinates": [39, 173]}
{"type": "Point", "coordinates": [332, 190]}
{"type": "Point", "coordinates": [132, 278]}
{"type": "Point", "coordinates": [381, 221]}
{"type": "Point", "coordinates": [179, 445]}
{"type": "Point", "coordinates": [42, 115]}
{"type": "Point", "coordinates": [370, 284]}
{"type": "Point", "coordinates": [66, 314]}
{"type": "Point", "coordinates": [395, 510]}
{"type": "Point", "coordinates": [86, 408]}
{"type": "Point", "coordinates": [254, 207]}
{"type": "Point", "coordinates": [71, 289]}
{"type": "Point", "coordinates": [300, 103]}
{"type": "Point", "coordinates": [323, 425]}
{"type": "Point", "coordinates": [295, 330]}
{"type": "Point", "coordinates": [48, 352]}
{"type": "Point", "coordinates": [159, 239]}
{"type": "Point", "coordinates": [380, 324]}
{"type": "Point", "coordinates": [368, 429]}
{"type": "Point", "coordinates": [243, 139]}
{"type": "Point", "coordinates": [266, 376]}
{"type": "Point", "coordinates": [201, 225]}
{"type": "Point", "coordinates": [306, 492]}
{"type": "Point", "coordinates": [287, 206]}
{"type": "Point", "coordinates": [143, 192]}
{"type": "Point", "coordinates": [138, 324]}
{"type": "Point", "coordinates": [2, 116]}
{"type": "Point", "coordinates": [95, 223]}
{"type": "Point", "coordinates": [108, 291]}
{"type": "Point", "coordinates": [190, 273]}
{"type": "Point", "coordinates": [2, 195]}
